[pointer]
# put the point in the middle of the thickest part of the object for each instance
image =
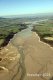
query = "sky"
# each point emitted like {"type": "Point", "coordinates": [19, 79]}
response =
{"type": "Point", "coordinates": [19, 7]}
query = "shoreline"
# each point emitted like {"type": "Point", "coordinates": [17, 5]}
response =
{"type": "Point", "coordinates": [42, 40]}
{"type": "Point", "coordinates": [50, 43]}
{"type": "Point", "coordinates": [8, 38]}
{"type": "Point", "coordinates": [11, 35]}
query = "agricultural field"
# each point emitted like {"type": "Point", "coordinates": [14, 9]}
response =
{"type": "Point", "coordinates": [45, 30]}
{"type": "Point", "coordinates": [9, 27]}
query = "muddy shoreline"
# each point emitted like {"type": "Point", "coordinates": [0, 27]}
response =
{"type": "Point", "coordinates": [9, 37]}
{"type": "Point", "coordinates": [43, 40]}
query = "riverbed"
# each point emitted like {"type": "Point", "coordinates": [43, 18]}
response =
{"type": "Point", "coordinates": [36, 56]}
{"type": "Point", "coordinates": [26, 57]}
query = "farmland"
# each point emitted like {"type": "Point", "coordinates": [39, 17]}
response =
{"type": "Point", "coordinates": [45, 30]}
{"type": "Point", "coordinates": [9, 27]}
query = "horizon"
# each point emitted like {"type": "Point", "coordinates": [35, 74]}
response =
{"type": "Point", "coordinates": [27, 15]}
{"type": "Point", "coordinates": [25, 7]}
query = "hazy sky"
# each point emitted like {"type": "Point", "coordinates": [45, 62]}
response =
{"type": "Point", "coordinates": [16, 7]}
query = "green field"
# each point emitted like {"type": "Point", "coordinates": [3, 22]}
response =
{"type": "Point", "coordinates": [45, 30]}
{"type": "Point", "coordinates": [8, 27]}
